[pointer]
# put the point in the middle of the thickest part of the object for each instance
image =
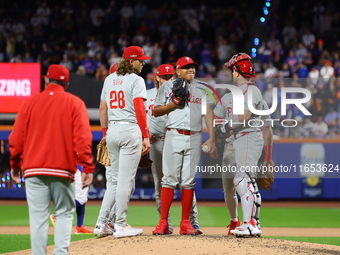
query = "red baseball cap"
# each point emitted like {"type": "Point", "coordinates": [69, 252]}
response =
{"type": "Point", "coordinates": [58, 72]}
{"type": "Point", "coordinates": [114, 68]}
{"type": "Point", "coordinates": [183, 61]}
{"type": "Point", "coordinates": [134, 52]}
{"type": "Point", "coordinates": [165, 69]}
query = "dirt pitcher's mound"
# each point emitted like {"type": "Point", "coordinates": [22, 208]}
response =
{"type": "Point", "coordinates": [202, 244]}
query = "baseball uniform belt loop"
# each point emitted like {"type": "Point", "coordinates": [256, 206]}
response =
{"type": "Point", "coordinates": [184, 132]}
{"type": "Point", "coordinates": [241, 134]}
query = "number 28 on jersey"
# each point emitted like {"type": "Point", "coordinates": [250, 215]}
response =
{"type": "Point", "coordinates": [117, 99]}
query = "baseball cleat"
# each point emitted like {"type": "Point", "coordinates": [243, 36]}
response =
{"type": "Point", "coordinates": [257, 225]}
{"type": "Point", "coordinates": [102, 229]}
{"type": "Point", "coordinates": [53, 220]}
{"type": "Point", "coordinates": [198, 228]}
{"type": "Point", "coordinates": [171, 228]}
{"type": "Point", "coordinates": [111, 226]}
{"type": "Point", "coordinates": [126, 231]}
{"type": "Point", "coordinates": [82, 230]}
{"type": "Point", "coordinates": [233, 225]}
{"type": "Point", "coordinates": [246, 230]}
{"type": "Point", "coordinates": [260, 232]}
{"type": "Point", "coordinates": [187, 229]}
{"type": "Point", "coordinates": [162, 228]}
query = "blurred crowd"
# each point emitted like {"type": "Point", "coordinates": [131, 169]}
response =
{"type": "Point", "coordinates": [300, 47]}
{"type": "Point", "coordinates": [299, 44]}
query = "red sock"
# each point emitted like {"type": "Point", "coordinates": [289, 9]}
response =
{"type": "Point", "coordinates": [186, 199]}
{"type": "Point", "coordinates": [167, 195]}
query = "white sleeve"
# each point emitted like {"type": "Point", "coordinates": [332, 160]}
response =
{"type": "Point", "coordinates": [139, 89]}
{"type": "Point", "coordinates": [162, 94]}
{"type": "Point", "coordinates": [265, 118]}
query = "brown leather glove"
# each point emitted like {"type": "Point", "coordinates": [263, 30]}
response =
{"type": "Point", "coordinates": [145, 162]}
{"type": "Point", "coordinates": [265, 177]}
{"type": "Point", "coordinates": [103, 156]}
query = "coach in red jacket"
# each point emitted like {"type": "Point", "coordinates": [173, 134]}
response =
{"type": "Point", "coordinates": [51, 135]}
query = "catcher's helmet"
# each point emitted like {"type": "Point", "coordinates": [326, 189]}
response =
{"type": "Point", "coordinates": [241, 63]}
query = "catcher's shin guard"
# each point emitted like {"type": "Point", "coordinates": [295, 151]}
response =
{"type": "Point", "coordinates": [247, 197]}
{"type": "Point", "coordinates": [257, 201]}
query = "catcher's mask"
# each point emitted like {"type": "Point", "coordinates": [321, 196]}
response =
{"type": "Point", "coordinates": [241, 63]}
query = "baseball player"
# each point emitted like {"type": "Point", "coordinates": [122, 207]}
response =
{"type": "Point", "coordinates": [248, 141]}
{"type": "Point", "coordinates": [230, 197]}
{"type": "Point", "coordinates": [124, 123]}
{"type": "Point", "coordinates": [106, 217]}
{"type": "Point", "coordinates": [157, 127]}
{"type": "Point", "coordinates": [81, 199]}
{"type": "Point", "coordinates": [182, 143]}
{"type": "Point", "coordinates": [51, 135]}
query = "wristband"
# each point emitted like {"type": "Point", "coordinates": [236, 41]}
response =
{"type": "Point", "coordinates": [104, 130]}
{"type": "Point", "coordinates": [176, 100]}
{"type": "Point", "coordinates": [268, 152]}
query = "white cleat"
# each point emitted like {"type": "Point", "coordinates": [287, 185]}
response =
{"type": "Point", "coordinates": [260, 231]}
{"type": "Point", "coordinates": [246, 230]}
{"type": "Point", "coordinates": [126, 231]}
{"type": "Point", "coordinates": [102, 229]}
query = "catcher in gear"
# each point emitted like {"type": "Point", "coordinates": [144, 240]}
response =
{"type": "Point", "coordinates": [228, 160]}
{"type": "Point", "coordinates": [243, 149]}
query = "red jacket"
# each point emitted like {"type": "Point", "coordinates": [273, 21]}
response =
{"type": "Point", "coordinates": [51, 135]}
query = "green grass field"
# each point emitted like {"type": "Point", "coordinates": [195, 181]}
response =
{"type": "Point", "coordinates": [208, 217]}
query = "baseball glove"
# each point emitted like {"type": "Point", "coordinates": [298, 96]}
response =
{"type": "Point", "coordinates": [103, 156]}
{"type": "Point", "coordinates": [221, 132]}
{"type": "Point", "coordinates": [265, 178]}
{"type": "Point", "coordinates": [219, 137]}
{"type": "Point", "coordinates": [180, 92]}
{"type": "Point", "coordinates": [144, 162]}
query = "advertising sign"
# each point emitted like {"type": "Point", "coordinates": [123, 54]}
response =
{"type": "Point", "coordinates": [18, 82]}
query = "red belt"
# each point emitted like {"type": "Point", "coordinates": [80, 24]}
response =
{"type": "Point", "coordinates": [242, 134]}
{"type": "Point", "coordinates": [183, 132]}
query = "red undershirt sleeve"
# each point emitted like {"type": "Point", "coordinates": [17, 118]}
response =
{"type": "Point", "coordinates": [141, 116]}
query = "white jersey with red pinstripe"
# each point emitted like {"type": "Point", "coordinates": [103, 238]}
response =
{"type": "Point", "coordinates": [156, 125]}
{"type": "Point", "coordinates": [256, 102]}
{"type": "Point", "coordinates": [119, 91]}
{"type": "Point", "coordinates": [182, 145]}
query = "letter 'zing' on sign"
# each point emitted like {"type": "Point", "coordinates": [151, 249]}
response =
{"type": "Point", "coordinates": [18, 87]}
